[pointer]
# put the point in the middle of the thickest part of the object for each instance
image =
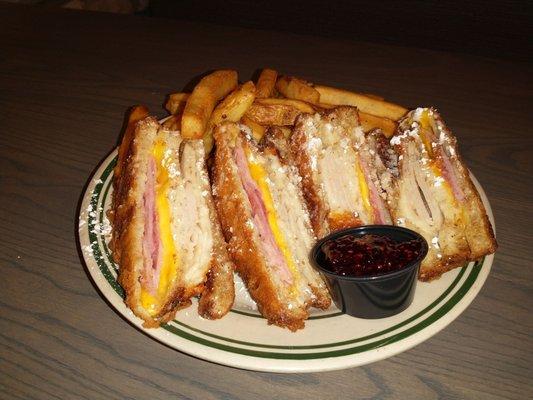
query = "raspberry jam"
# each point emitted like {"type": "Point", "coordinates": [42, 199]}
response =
{"type": "Point", "coordinates": [369, 255]}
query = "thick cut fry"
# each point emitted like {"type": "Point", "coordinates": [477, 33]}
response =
{"type": "Point", "coordinates": [232, 108]}
{"type": "Point", "coordinates": [202, 101]}
{"type": "Point", "coordinates": [280, 112]}
{"type": "Point", "coordinates": [363, 103]}
{"type": "Point", "coordinates": [302, 106]}
{"type": "Point", "coordinates": [258, 131]}
{"type": "Point", "coordinates": [372, 96]}
{"type": "Point", "coordinates": [176, 102]}
{"type": "Point", "coordinates": [369, 122]}
{"type": "Point", "coordinates": [266, 83]}
{"type": "Point", "coordinates": [294, 88]}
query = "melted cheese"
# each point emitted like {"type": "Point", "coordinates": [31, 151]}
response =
{"type": "Point", "coordinates": [168, 271]}
{"type": "Point", "coordinates": [363, 188]}
{"type": "Point", "coordinates": [259, 176]}
{"type": "Point", "coordinates": [425, 125]}
{"type": "Point", "coordinates": [443, 182]}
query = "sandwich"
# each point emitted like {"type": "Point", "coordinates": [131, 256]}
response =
{"type": "Point", "coordinates": [435, 196]}
{"type": "Point", "coordinates": [166, 237]}
{"type": "Point", "coordinates": [267, 227]}
{"type": "Point", "coordinates": [343, 170]}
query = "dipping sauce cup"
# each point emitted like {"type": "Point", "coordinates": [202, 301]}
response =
{"type": "Point", "coordinates": [370, 292]}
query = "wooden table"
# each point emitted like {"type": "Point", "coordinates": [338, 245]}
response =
{"type": "Point", "coordinates": [66, 79]}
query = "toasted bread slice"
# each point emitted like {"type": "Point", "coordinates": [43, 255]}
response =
{"type": "Point", "coordinates": [342, 170]}
{"type": "Point", "coordinates": [265, 222]}
{"type": "Point", "coordinates": [435, 196]}
{"type": "Point", "coordinates": [166, 235]}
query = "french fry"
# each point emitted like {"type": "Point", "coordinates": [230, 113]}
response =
{"type": "Point", "coordinates": [173, 122]}
{"type": "Point", "coordinates": [364, 103]}
{"type": "Point", "coordinates": [202, 101]}
{"type": "Point", "coordinates": [266, 82]}
{"type": "Point", "coordinates": [176, 102]}
{"type": "Point", "coordinates": [302, 106]}
{"type": "Point", "coordinates": [294, 88]}
{"type": "Point", "coordinates": [372, 96]}
{"type": "Point", "coordinates": [258, 130]}
{"type": "Point", "coordinates": [280, 112]}
{"type": "Point", "coordinates": [369, 122]}
{"type": "Point", "coordinates": [232, 108]}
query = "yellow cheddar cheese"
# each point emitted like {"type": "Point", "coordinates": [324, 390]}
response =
{"type": "Point", "coordinates": [259, 176]}
{"type": "Point", "coordinates": [425, 125]}
{"type": "Point", "coordinates": [363, 188]}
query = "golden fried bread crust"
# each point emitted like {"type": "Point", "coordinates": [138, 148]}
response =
{"type": "Point", "coordinates": [128, 223]}
{"type": "Point", "coordinates": [243, 243]}
{"type": "Point", "coordinates": [217, 298]}
{"type": "Point", "coordinates": [338, 221]}
{"type": "Point", "coordinates": [478, 229]}
{"type": "Point", "coordinates": [128, 232]}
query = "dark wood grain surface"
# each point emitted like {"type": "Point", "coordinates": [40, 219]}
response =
{"type": "Point", "coordinates": [66, 79]}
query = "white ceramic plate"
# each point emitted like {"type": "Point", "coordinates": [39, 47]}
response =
{"type": "Point", "coordinates": [243, 339]}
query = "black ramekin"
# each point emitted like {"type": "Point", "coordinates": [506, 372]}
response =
{"type": "Point", "coordinates": [377, 296]}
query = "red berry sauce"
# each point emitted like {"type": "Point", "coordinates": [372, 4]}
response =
{"type": "Point", "coordinates": [369, 255]}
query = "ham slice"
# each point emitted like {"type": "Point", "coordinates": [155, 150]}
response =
{"type": "Point", "coordinates": [151, 238]}
{"type": "Point", "coordinates": [447, 169]}
{"type": "Point", "coordinates": [259, 214]}
{"type": "Point", "coordinates": [448, 173]}
{"type": "Point", "coordinates": [381, 213]}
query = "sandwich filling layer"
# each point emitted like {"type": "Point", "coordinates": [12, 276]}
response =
{"type": "Point", "coordinates": [264, 216]}
{"type": "Point", "coordinates": [343, 167]}
{"type": "Point", "coordinates": [191, 222]}
{"type": "Point", "coordinates": [340, 181]}
{"type": "Point", "coordinates": [282, 223]}
{"type": "Point", "coordinates": [160, 254]}
{"type": "Point", "coordinates": [433, 145]}
{"type": "Point", "coordinates": [293, 221]}
{"type": "Point", "coordinates": [430, 196]}
{"type": "Point", "coordinates": [373, 175]}
{"type": "Point", "coordinates": [176, 216]}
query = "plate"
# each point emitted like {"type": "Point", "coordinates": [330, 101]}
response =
{"type": "Point", "coordinates": [243, 339]}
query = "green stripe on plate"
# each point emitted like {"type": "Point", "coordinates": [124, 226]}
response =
{"type": "Point", "coordinates": [342, 343]}
{"type": "Point", "coordinates": [107, 252]}
{"type": "Point", "coordinates": [93, 239]}
{"type": "Point", "coordinates": [342, 352]}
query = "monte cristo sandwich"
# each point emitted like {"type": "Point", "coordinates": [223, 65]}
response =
{"type": "Point", "coordinates": [166, 236]}
{"type": "Point", "coordinates": [342, 168]}
{"type": "Point", "coordinates": [435, 196]}
{"type": "Point", "coordinates": [265, 221]}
